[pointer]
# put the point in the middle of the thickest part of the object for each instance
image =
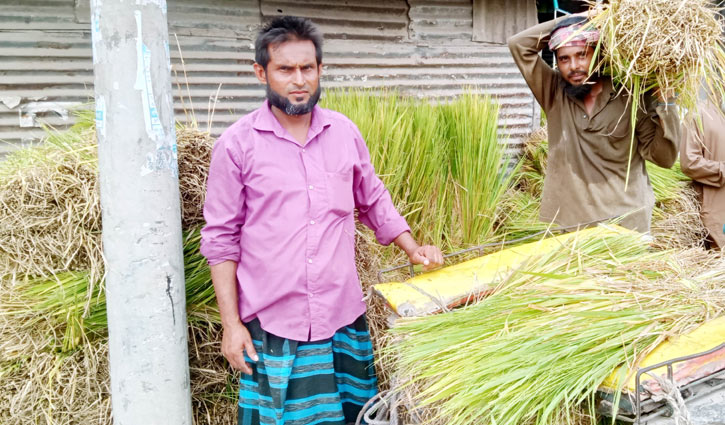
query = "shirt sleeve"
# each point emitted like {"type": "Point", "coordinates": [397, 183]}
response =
{"type": "Point", "coordinates": [658, 133]}
{"type": "Point", "coordinates": [692, 156]}
{"type": "Point", "coordinates": [375, 206]}
{"type": "Point", "coordinates": [224, 205]}
{"type": "Point", "coordinates": [541, 78]}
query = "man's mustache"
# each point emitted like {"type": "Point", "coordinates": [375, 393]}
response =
{"type": "Point", "coordinates": [575, 73]}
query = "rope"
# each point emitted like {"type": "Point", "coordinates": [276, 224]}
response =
{"type": "Point", "coordinates": [673, 397]}
{"type": "Point", "coordinates": [383, 406]}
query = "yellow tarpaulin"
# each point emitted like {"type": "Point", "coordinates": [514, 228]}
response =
{"type": "Point", "coordinates": [427, 293]}
{"type": "Point", "coordinates": [704, 338]}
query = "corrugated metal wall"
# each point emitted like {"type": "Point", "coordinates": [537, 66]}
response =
{"type": "Point", "coordinates": [420, 47]}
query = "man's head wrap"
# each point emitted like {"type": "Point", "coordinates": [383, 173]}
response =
{"type": "Point", "coordinates": [573, 31]}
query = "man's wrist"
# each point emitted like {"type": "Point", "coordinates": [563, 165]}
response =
{"type": "Point", "coordinates": [406, 242]}
{"type": "Point", "coordinates": [232, 323]}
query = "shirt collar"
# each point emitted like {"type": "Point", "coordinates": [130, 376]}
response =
{"type": "Point", "coordinates": [266, 121]}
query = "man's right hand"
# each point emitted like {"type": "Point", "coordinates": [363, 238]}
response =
{"type": "Point", "coordinates": [235, 341]}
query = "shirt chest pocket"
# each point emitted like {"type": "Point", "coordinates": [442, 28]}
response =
{"type": "Point", "coordinates": [611, 137]}
{"type": "Point", "coordinates": [339, 192]}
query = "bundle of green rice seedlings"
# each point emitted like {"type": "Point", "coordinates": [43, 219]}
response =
{"type": "Point", "coordinates": [554, 330]}
{"type": "Point", "coordinates": [478, 165]}
{"type": "Point", "coordinates": [674, 46]}
{"type": "Point", "coordinates": [68, 311]}
{"type": "Point", "coordinates": [447, 178]}
{"type": "Point", "coordinates": [521, 217]}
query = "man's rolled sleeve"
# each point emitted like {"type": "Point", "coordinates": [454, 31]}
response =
{"type": "Point", "coordinates": [658, 134]}
{"type": "Point", "coordinates": [223, 208]}
{"type": "Point", "coordinates": [387, 233]}
{"type": "Point", "coordinates": [375, 206]}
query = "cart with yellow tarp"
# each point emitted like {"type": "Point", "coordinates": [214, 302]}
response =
{"type": "Point", "coordinates": [681, 376]}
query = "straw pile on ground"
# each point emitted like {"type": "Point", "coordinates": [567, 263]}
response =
{"type": "Point", "coordinates": [50, 210]}
{"type": "Point", "coordinates": [53, 342]}
{"type": "Point", "coordinates": [553, 330]}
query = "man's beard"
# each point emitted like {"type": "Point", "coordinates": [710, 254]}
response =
{"type": "Point", "coordinates": [281, 102]}
{"type": "Point", "coordinates": [579, 92]}
{"type": "Point", "coordinates": [582, 90]}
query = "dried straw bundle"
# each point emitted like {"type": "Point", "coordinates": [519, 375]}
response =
{"type": "Point", "coordinates": [673, 45]}
{"type": "Point", "coordinates": [49, 206]}
{"type": "Point", "coordinates": [554, 330]}
{"type": "Point", "coordinates": [74, 387]}
{"type": "Point", "coordinates": [194, 158]}
{"type": "Point", "coordinates": [52, 306]}
{"type": "Point", "coordinates": [53, 350]}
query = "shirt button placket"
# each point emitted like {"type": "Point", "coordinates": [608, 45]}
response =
{"type": "Point", "coordinates": [311, 234]}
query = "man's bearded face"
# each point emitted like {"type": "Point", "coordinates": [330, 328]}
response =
{"type": "Point", "coordinates": [573, 63]}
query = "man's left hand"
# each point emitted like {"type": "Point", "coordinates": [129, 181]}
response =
{"type": "Point", "coordinates": [427, 255]}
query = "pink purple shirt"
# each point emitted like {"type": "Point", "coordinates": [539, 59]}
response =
{"type": "Point", "coordinates": [284, 212]}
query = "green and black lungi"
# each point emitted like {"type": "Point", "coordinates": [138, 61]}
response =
{"type": "Point", "coordinates": [308, 383]}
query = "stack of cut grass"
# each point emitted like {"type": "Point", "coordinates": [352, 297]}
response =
{"type": "Point", "coordinates": [445, 168]}
{"type": "Point", "coordinates": [675, 46]}
{"type": "Point", "coordinates": [553, 330]}
{"type": "Point", "coordinates": [53, 342]}
{"type": "Point", "coordinates": [443, 164]}
{"type": "Point", "coordinates": [49, 203]}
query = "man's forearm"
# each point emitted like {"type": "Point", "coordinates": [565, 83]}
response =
{"type": "Point", "coordinates": [406, 242]}
{"type": "Point", "coordinates": [531, 40]}
{"type": "Point", "coordinates": [525, 47]}
{"type": "Point", "coordinates": [224, 278]}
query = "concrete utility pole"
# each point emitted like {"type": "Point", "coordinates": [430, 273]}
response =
{"type": "Point", "coordinates": [142, 239]}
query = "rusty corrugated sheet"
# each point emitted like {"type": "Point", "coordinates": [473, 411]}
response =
{"type": "Point", "coordinates": [423, 48]}
{"type": "Point", "coordinates": [496, 20]}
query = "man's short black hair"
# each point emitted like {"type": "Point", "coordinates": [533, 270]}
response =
{"type": "Point", "coordinates": [286, 28]}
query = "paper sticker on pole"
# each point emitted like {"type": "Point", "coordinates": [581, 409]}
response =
{"type": "Point", "coordinates": [165, 157]}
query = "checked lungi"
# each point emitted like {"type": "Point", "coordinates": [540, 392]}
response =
{"type": "Point", "coordinates": [308, 383]}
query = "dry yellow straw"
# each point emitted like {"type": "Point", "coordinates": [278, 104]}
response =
{"type": "Point", "coordinates": [674, 46]}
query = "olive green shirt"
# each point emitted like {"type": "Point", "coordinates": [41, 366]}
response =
{"type": "Point", "coordinates": [588, 153]}
{"type": "Point", "coordinates": [702, 157]}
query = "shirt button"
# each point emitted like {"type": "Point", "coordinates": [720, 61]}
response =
{"type": "Point", "coordinates": [585, 115]}
{"type": "Point", "coordinates": [311, 187]}
{"type": "Point", "coordinates": [312, 221]}
{"type": "Point", "coordinates": [310, 295]}
{"type": "Point", "coordinates": [309, 260]}
{"type": "Point", "coordinates": [303, 150]}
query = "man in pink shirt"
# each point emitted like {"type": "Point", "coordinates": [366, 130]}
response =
{"type": "Point", "coordinates": [283, 185]}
